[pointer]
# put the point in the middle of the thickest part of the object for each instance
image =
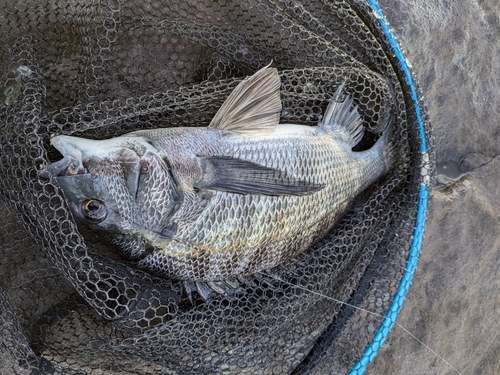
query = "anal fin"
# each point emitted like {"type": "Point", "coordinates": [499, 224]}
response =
{"type": "Point", "coordinates": [343, 117]}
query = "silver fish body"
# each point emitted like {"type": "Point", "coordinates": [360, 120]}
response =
{"type": "Point", "coordinates": [234, 198]}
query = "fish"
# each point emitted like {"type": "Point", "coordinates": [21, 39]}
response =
{"type": "Point", "coordinates": [237, 197]}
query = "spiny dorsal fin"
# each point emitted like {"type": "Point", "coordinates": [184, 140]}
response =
{"type": "Point", "coordinates": [340, 118]}
{"type": "Point", "coordinates": [254, 106]}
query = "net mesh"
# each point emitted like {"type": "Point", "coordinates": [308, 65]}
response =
{"type": "Point", "coordinates": [70, 305]}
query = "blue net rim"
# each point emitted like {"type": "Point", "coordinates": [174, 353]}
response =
{"type": "Point", "coordinates": [419, 227]}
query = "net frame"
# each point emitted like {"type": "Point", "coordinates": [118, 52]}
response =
{"type": "Point", "coordinates": [392, 314]}
{"type": "Point", "coordinates": [30, 78]}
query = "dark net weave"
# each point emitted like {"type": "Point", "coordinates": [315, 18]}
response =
{"type": "Point", "coordinates": [100, 68]}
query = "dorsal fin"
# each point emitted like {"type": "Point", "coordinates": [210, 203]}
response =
{"type": "Point", "coordinates": [254, 106]}
{"type": "Point", "coordinates": [341, 118]}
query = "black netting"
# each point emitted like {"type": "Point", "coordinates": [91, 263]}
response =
{"type": "Point", "coordinates": [70, 305]}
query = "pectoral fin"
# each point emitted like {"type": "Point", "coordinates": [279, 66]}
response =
{"type": "Point", "coordinates": [245, 177]}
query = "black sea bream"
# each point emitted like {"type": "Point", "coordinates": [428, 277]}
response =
{"type": "Point", "coordinates": [237, 197]}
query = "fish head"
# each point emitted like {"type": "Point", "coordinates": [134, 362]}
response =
{"type": "Point", "coordinates": [117, 185]}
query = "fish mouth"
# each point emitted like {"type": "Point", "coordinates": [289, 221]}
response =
{"type": "Point", "coordinates": [72, 162]}
{"type": "Point", "coordinates": [67, 166]}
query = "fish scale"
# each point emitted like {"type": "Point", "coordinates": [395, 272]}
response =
{"type": "Point", "coordinates": [235, 198]}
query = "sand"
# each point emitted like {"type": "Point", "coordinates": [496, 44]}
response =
{"type": "Point", "coordinates": [454, 303]}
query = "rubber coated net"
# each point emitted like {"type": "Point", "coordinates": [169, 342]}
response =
{"type": "Point", "coordinates": [69, 304]}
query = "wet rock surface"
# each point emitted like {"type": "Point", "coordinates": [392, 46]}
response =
{"type": "Point", "coordinates": [454, 303]}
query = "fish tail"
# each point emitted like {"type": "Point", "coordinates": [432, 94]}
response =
{"type": "Point", "coordinates": [385, 146]}
{"type": "Point", "coordinates": [343, 119]}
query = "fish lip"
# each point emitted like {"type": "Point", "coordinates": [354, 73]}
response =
{"type": "Point", "coordinates": [66, 146]}
{"type": "Point", "coordinates": [67, 166]}
{"type": "Point", "coordinates": [70, 164]}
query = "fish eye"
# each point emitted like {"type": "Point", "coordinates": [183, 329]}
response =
{"type": "Point", "coordinates": [94, 210]}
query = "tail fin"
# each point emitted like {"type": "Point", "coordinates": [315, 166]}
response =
{"type": "Point", "coordinates": [386, 146]}
{"type": "Point", "coordinates": [341, 118]}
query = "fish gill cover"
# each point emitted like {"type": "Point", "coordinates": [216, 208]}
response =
{"type": "Point", "coordinates": [70, 304]}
